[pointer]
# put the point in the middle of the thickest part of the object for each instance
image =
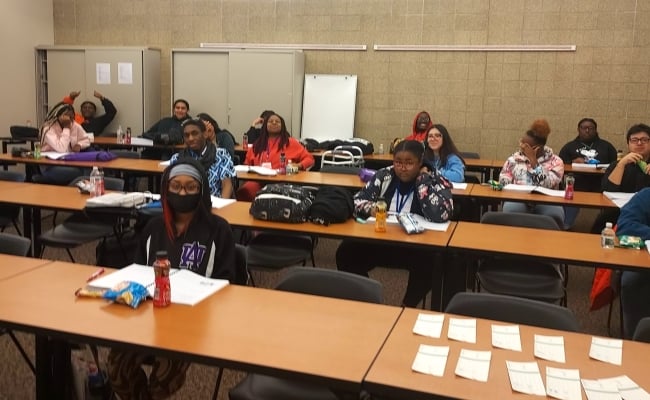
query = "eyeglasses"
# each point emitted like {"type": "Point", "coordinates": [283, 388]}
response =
{"type": "Point", "coordinates": [434, 136]}
{"type": "Point", "coordinates": [190, 188]}
{"type": "Point", "coordinates": [408, 164]}
{"type": "Point", "coordinates": [274, 122]}
{"type": "Point", "coordinates": [642, 140]}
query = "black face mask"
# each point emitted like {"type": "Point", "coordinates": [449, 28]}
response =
{"type": "Point", "coordinates": [183, 204]}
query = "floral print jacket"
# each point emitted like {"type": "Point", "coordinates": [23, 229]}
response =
{"type": "Point", "coordinates": [548, 172]}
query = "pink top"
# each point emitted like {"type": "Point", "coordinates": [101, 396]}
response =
{"type": "Point", "coordinates": [62, 140]}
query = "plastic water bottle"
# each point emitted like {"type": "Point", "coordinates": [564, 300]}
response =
{"type": "Point", "coordinates": [119, 136]}
{"type": "Point", "coordinates": [283, 164]}
{"type": "Point", "coordinates": [381, 149]}
{"type": "Point", "coordinates": [127, 138]}
{"type": "Point", "coordinates": [608, 236]}
{"type": "Point", "coordinates": [244, 142]}
{"type": "Point", "coordinates": [96, 182]}
{"type": "Point", "coordinates": [569, 182]}
{"type": "Point", "coordinates": [381, 214]}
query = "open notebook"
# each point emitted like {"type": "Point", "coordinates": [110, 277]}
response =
{"type": "Point", "coordinates": [187, 287]}
{"type": "Point", "coordinates": [534, 189]}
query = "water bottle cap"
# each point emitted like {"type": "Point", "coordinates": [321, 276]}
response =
{"type": "Point", "coordinates": [161, 254]}
{"type": "Point", "coordinates": [608, 224]}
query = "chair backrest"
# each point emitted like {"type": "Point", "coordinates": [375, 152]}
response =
{"type": "Point", "coordinates": [126, 153]}
{"type": "Point", "coordinates": [241, 265]}
{"type": "Point", "coordinates": [519, 219]}
{"type": "Point", "coordinates": [23, 132]}
{"type": "Point", "coordinates": [642, 331]}
{"type": "Point", "coordinates": [340, 169]}
{"type": "Point", "coordinates": [14, 244]}
{"type": "Point", "coordinates": [514, 310]}
{"type": "Point", "coordinates": [13, 176]}
{"type": "Point", "coordinates": [469, 154]}
{"type": "Point", "coordinates": [110, 183]}
{"type": "Point", "coordinates": [472, 179]}
{"type": "Point", "coordinates": [331, 283]}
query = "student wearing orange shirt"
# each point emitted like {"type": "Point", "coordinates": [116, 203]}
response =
{"type": "Point", "coordinates": [274, 139]}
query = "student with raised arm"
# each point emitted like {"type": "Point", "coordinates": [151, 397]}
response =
{"type": "Point", "coordinates": [194, 239]}
{"type": "Point", "coordinates": [255, 130]}
{"type": "Point", "coordinates": [88, 118]}
{"type": "Point", "coordinates": [405, 188]}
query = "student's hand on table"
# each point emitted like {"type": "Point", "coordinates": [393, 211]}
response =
{"type": "Point", "coordinates": [76, 148]}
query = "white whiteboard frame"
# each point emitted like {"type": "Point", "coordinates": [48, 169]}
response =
{"type": "Point", "coordinates": [329, 107]}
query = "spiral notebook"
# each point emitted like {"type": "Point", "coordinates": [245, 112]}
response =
{"type": "Point", "coordinates": [187, 287]}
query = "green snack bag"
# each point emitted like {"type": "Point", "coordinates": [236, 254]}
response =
{"type": "Point", "coordinates": [642, 164]}
{"type": "Point", "coordinates": [631, 242]}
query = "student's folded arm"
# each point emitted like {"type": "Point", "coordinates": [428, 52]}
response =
{"type": "Point", "coordinates": [59, 143]}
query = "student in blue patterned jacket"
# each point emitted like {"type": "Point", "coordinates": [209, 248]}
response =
{"type": "Point", "coordinates": [406, 189]}
{"type": "Point", "coordinates": [216, 161]}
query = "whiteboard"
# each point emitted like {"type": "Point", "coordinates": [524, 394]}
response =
{"type": "Point", "coordinates": [328, 107]}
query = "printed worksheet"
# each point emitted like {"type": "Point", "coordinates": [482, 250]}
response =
{"type": "Point", "coordinates": [563, 383]}
{"type": "Point", "coordinates": [462, 329]}
{"type": "Point", "coordinates": [525, 378]}
{"type": "Point", "coordinates": [550, 348]}
{"type": "Point", "coordinates": [429, 325]}
{"type": "Point", "coordinates": [474, 364]}
{"type": "Point", "coordinates": [431, 360]}
{"type": "Point", "coordinates": [607, 350]}
{"type": "Point", "coordinates": [506, 337]}
{"type": "Point", "coordinates": [627, 388]}
{"type": "Point", "coordinates": [597, 390]}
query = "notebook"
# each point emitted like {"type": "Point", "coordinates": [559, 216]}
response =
{"type": "Point", "coordinates": [534, 189]}
{"type": "Point", "coordinates": [187, 287]}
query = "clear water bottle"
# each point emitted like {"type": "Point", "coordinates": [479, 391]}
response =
{"type": "Point", "coordinates": [120, 135]}
{"type": "Point", "coordinates": [608, 236]}
{"type": "Point", "coordinates": [381, 149]}
{"type": "Point", "coordinates": [96, 182]}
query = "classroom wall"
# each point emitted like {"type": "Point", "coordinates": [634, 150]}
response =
{"type": "Point", "coordinates": [23, 25]}
{"type": "Point", "coordinates": [487, 100]}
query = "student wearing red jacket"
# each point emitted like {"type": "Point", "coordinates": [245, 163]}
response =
{"type": "Point", "coordinates": [421, 125]}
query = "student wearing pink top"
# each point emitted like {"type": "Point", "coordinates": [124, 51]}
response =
{"type": "Point", "coordinates": [274, 139]}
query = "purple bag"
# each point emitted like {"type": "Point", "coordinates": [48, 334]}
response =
{"type": "Point", "coordinates": [90, 156]}
{"type": "Point", "coordinates": [366, 174]}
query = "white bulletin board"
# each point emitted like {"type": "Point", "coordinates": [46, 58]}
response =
{"type": "Point", "coordinates": [328, 108]}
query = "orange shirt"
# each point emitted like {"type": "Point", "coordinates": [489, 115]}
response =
{"type": "Point", "coordinates": [294, 151]}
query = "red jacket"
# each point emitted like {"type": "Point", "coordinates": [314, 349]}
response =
{"type": "Point", "coordinates": [294, 151]}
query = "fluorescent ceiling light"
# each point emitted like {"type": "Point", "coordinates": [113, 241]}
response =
{"type": "Point", "coordinates": [461, 47]}
{"type": "Point", "coordinates": [273, 46]}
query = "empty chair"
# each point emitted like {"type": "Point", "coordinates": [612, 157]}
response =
{"type": "Point", "coordinates": [521, 276]}
{"type": "Point", "coordinates": [642, 331]}
{"type": "Point", "coordinates": [130, 178]}
{"type": "Point", "coordinates": [19, 132]}
{"type": "Point", "coordinates": [273, 251]}
{"type": "Point", "coordinates": [79, 229]}
{"type": "Point", "coordinates": [514, 310]}
{"type": "Point", "coordinates": [9, 214]}
{"type": "Point", "coordinates": [17, 246]}
{"type": "Point", "coordinates": [320, 282]}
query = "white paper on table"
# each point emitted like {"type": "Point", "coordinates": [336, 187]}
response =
{"type": "Point", "coordinates": [619, 198]}
{"type": "Point", "coordinates": [125, 73]}
{"type": "Point", "coordinates": [165, 163]}
{"type": "Point", "coordinates": [431, 360]}
{"type": "Point", "coordinates": [429, 325]}
{"type": "Point", "coordinates": [563, 383]}
{"type": "Point", "coordinates": [506, 337]}
{"type": "Point", "coordinates": [627, 388]}
{"type": "Point", "coordinates": [549, 348]}
{"type": "Point", "coordinates": [607, 350]}
{"type": "Point", "coordinates": [103, 73]}
{"type": "Point", "coordinates": [140, 141]}
{"type": "Point", "coordinates": [596, 390]}
{"type": "Point", "coordinates": [459, 185]}
{"type": "Point", "coordinates": [218, 202]}
{"type": "Point", "coordinates": [462, 329]}
{"type": "Point", "coordinates": [474, 365]}
{"type": "Point", "coordinates": [53, 155]}
{"type": "Point", "coordinates": [525, 377]}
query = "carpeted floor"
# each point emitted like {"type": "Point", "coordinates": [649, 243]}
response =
{"type": "Point", "coordinates": [17, 381]}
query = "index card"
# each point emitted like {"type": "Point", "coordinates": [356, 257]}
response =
{"type": "Point", "coordinates": [627, 388]}
{"type": "Point", "coordinates": [474, 365]}
{"type": "Point", "coordinates": [597, 390]}
{"type": "Point", "coordinates": [431, 360]}
{"type": "Point", "coordinates": [563, 384]}
{"type": "Point", "coordinates": [429, 325]}
{"type": "Point", "coordinates": [525, 377]}
{"type": "Point", "coordinates": [506, 337]}
{"type": "Point", "coordinates": [549, 348]}
{"type": "Point", "coordinates": [462, 329]}
{"type": "Point", "coordinates": [607, 350]}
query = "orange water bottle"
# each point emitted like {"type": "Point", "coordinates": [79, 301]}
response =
{"type": "Point", "coordinates": [162, 295]}
{"type": "Point", "coordinates": [381, 214]}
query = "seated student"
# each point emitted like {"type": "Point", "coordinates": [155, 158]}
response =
{"type": "Point", "coordinates": [61, 134]}
{"type": "Point", "coordinates": [421, 125]}
{"type": "Point", "coordinates": [194, 239]}
{"type": "Point", "coordinates": [256, 126]}
{"type": "Point", "coordinates": [635, 284]}
{"type": "Point", "coordinates": [405, 188]}
{"type": "Point", "coordinates": [170, 126]}
{"type": "Point", "coordinates": [534, 164]}
{"type": "Point", "coordinates": [626, 175]}
{"type": "Point", "coordinates": [215, 161]}
{"type": "Point", "coordinates": [586, 148]}
{"type": "Point", "coordinates": [274, 140]}
{"type": "Point", "coordinates": [441, 153]}
{"type": "Point", "coordinates": [221, 137]}
{"type": "Point", "coordinates": [88, 119]}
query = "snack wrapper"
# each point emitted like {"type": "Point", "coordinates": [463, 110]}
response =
{"type": "Point", "coordinates": [128, 293]}
{"type": "Point", "coordinates": [495, 185]}
{"type": "Point", "coordinates": [631, 242]}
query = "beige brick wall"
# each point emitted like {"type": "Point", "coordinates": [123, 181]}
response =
{"type": "Point", "coordinates": [487, 100]}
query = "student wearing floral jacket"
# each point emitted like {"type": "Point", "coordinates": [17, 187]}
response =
{"type": "Point", "coordinates": [405, 189]}
{"type": "Point", "coordinates": [534, 164]}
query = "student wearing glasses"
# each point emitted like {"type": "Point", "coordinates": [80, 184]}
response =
{"type": "Point", "coordinates": [216, 161]}
{"type": "Point", "coordinates": [194, 239]}
{"type": "Point", "coordinates": [628, 174]}
{"type": "Point", "coordinates": [534, 164]}
{"type": "Point", "coordinates": [405, 188]}
{"type": "Point", "coordinates": [441, 153]}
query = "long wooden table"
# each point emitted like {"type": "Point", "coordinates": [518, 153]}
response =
{"type": "Point", "coordinates": [321, 340]}
{"type": "Point", "coordinates": [391, 374]}
{"type": "Point", "coordinates": [580, 199]}
{"type": "Point", "coordinates": [557, 246]}
{"type": "Point", "coordinates": [12, 266]}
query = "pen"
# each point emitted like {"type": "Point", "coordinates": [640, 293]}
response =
{"type": "Point", "coordinates": [95, 274]}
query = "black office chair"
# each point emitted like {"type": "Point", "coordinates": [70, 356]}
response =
{"type": "Point", "coordinates": [514, 310]}
{"type": "Point", "coordinates": [320, 282]}
{"type": "Point", "coordinates": [17, 246]}
{"type": "Point", "coordinates": [274, 251]}
{"type": "Point", "coordinates": [9, 214]}
{"type": "Point", "coordinates": [130, 178]}
{"type": "Point", "coordinates": [642, 331]}
{"type": "Point", "coordinates": [79, 229]}
{"type": "Point", "coordinates": [520, 276]}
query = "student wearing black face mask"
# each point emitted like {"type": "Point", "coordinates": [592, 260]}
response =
{"type": "Point", "coordinates": [195, 239]}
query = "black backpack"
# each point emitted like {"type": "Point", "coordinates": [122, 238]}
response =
{"type": "Point", "coordinates": [332, 205]}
